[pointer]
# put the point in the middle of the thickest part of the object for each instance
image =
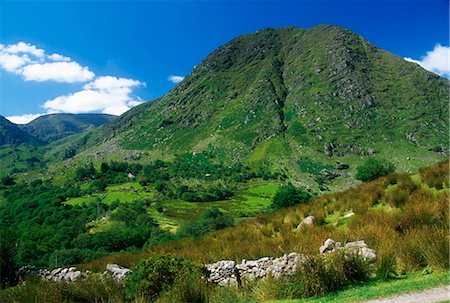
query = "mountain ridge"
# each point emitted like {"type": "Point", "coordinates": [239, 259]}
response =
{"type": "Point", "coordinates": [52, 127]}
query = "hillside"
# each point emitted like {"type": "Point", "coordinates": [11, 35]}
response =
{"type": "Point", "coordinates": [50, 128]}
{"type": "Point", "coordinates": [403, 217]}
{"type": "Point", "coordinates": [11, 134]}
{"type": "Point", "coordinates": [278, 96]}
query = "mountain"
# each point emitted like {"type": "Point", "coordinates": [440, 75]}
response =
{"type": "Point", "coordinates": [282, 94]}
{"type": "Point", "coordinates": [50, 128]}
{"type": "Point", "coordinates": [12, 134]}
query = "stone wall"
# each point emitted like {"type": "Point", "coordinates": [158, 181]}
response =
{"type": "Point", "coordinates": [228, 272]}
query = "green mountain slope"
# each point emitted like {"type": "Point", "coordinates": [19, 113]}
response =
{"type": "Point", "coordinates": [50, 128]}
{"type": "Point", "coordinates": [282, 93]}
{"type": "Point", "coordinates": [11, 134]}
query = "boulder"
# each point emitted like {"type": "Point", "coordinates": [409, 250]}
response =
{"type": "Point", "coordinates": [309, 220]}
{"type": "Point", "coordinates": [328, 245]}
{"type": "Point", "coordinates": [357, 247]}
{"type": "Point", "coordinates": [117, 271]}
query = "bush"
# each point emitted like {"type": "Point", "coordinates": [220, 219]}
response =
{"type": "Point", "coordinates": [287, 196]}
{"type": "Point", "coordinates": [373, 169]}
{"type": "Point", "coordinates": [436, 176]}
{"type": "Point", "coordinates": [191, 287]}
{"type": "Point", "coordinates": [323, 274]}
{"type": "Point", "coordinates": [211, 219]}
{"type": "Point", "coordinates": [154, 275]}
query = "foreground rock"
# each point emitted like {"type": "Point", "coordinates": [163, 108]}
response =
{"type": "Point", "coordinates": [309, 220]}
{"type": "Point", "coordinates": [358, 247]}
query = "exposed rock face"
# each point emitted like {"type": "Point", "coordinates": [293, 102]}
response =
{"type": "Point", "coordinates": [329, 174]}
{"type": "Point", "coordinates": [69, 274]}
{"type": "Point", "coordinates": [357, 247]}
{"type": "Point", "coordinates": [227, 272]}
{"type": "Point", "coordinates": [342, 166]}
{"type": "Point", "coordinates": [309, 220]}
{"type": "Point", "coordinates": [117, 271]}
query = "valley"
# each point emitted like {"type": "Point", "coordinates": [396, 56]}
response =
{"type": "Point", "coordinates": [275, 143]}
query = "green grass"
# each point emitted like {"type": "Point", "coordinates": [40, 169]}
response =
{"type": "Point", "coordinates": [267, 190]}
{"type": "Point", "coordinates": [125, 193]}
{"type": "Point", "coordinates": [247, 203]}
{"type": "Point", "coordinates": [378, 289]}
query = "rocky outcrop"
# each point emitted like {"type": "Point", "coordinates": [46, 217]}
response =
{"type": "Point", "coordinates": [358, 247]}
{"type": "Point", "coordinates": [69, 274]}
{"type": "Point", "coordinates": [227, 272]}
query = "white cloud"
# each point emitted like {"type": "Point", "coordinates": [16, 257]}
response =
{"type": "Point", "coordinates": [436, 61]}
{"type": "Point", "coordinates": [58, 57]}
{"type": "Point", "coordinates": [23, 48]}
{"type": "Point", "coordinates": [67, 72]}
{"type": "Point", "coordinates": [32, 63]}
{"type": "Point", "coordinates": [175, 79]}
{"type": "Point", "coordinates": [108, 94]}
{"type": "Point", "coordinates": [23, 119]}
{"type": "Point", "coordinates": [13, 63]}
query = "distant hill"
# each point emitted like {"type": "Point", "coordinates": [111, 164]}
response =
{"type": "Point", "coordinates": [12, 134]}
{"type": "Point", "coordinates": [50, 128]}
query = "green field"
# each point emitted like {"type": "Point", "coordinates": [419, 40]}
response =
{"type": "Point", "coordinates": [247, 203]}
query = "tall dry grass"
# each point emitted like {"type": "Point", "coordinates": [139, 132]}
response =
{"type": "Point", "coordinates": [421, 212]}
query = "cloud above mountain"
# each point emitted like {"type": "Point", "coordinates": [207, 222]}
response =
{"type": "Point", "coordinates": [33, 64]}
{"type": "Point", "coordinates": [106, 94]}
{"type": "Point", "coordinates": [436, 61]}
{"type": "Point", "coordinates": [175, 79]}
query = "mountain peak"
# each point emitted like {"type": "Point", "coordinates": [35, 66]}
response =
{"type": "Point", "coordinates": [323, 89]}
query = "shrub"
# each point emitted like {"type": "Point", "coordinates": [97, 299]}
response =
{"type": "Point", "coordinates": [323, 274]}
{"type": "Point", "coordinates": [287, 196]}
{"type": "Point", "coordinates": [191, 287]}
{"type": "Point", "coordinates": [436, 176]}
{"type": "Point", "coordinates": [211, 219]}
{"type": "Point", "coordinates": [153, 275]}
{"type": "Point", "coordinates": [374, 168]}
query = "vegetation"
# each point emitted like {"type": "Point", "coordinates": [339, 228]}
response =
{"type": "Point", "coordinates": [374, 168]}
{"type": "Point", "coordinates": [417, 227]}
{"type": "Point", "coordinates": [211, 220]}
{"type": "Point", "coordinates": [156, 274]}
{"type": "Point", "coordinates": [288, 196]}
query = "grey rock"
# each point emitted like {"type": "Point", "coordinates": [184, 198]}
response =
{"type": "Point", "coordinates": [117, 271]}
{"type": "Point", "coordinates": [328, 245]}
{"type": "Point", "coordinates": [309, 220]}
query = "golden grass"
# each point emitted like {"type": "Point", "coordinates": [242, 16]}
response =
{"type": "Point", "coordinates": [409, 237]}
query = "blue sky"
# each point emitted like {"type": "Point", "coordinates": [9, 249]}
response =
{"type": "Point", "coordinates": [112, 55]}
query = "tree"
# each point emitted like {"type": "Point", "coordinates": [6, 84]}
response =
{"type": "Point", "coordinates": [289, 195]}
{"type": "Point", "coordinates": [211, 219]}
{"type": "Point", "coordinates": [104, 167]}
{"type": "Point", "coordinates": [374, 168]}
